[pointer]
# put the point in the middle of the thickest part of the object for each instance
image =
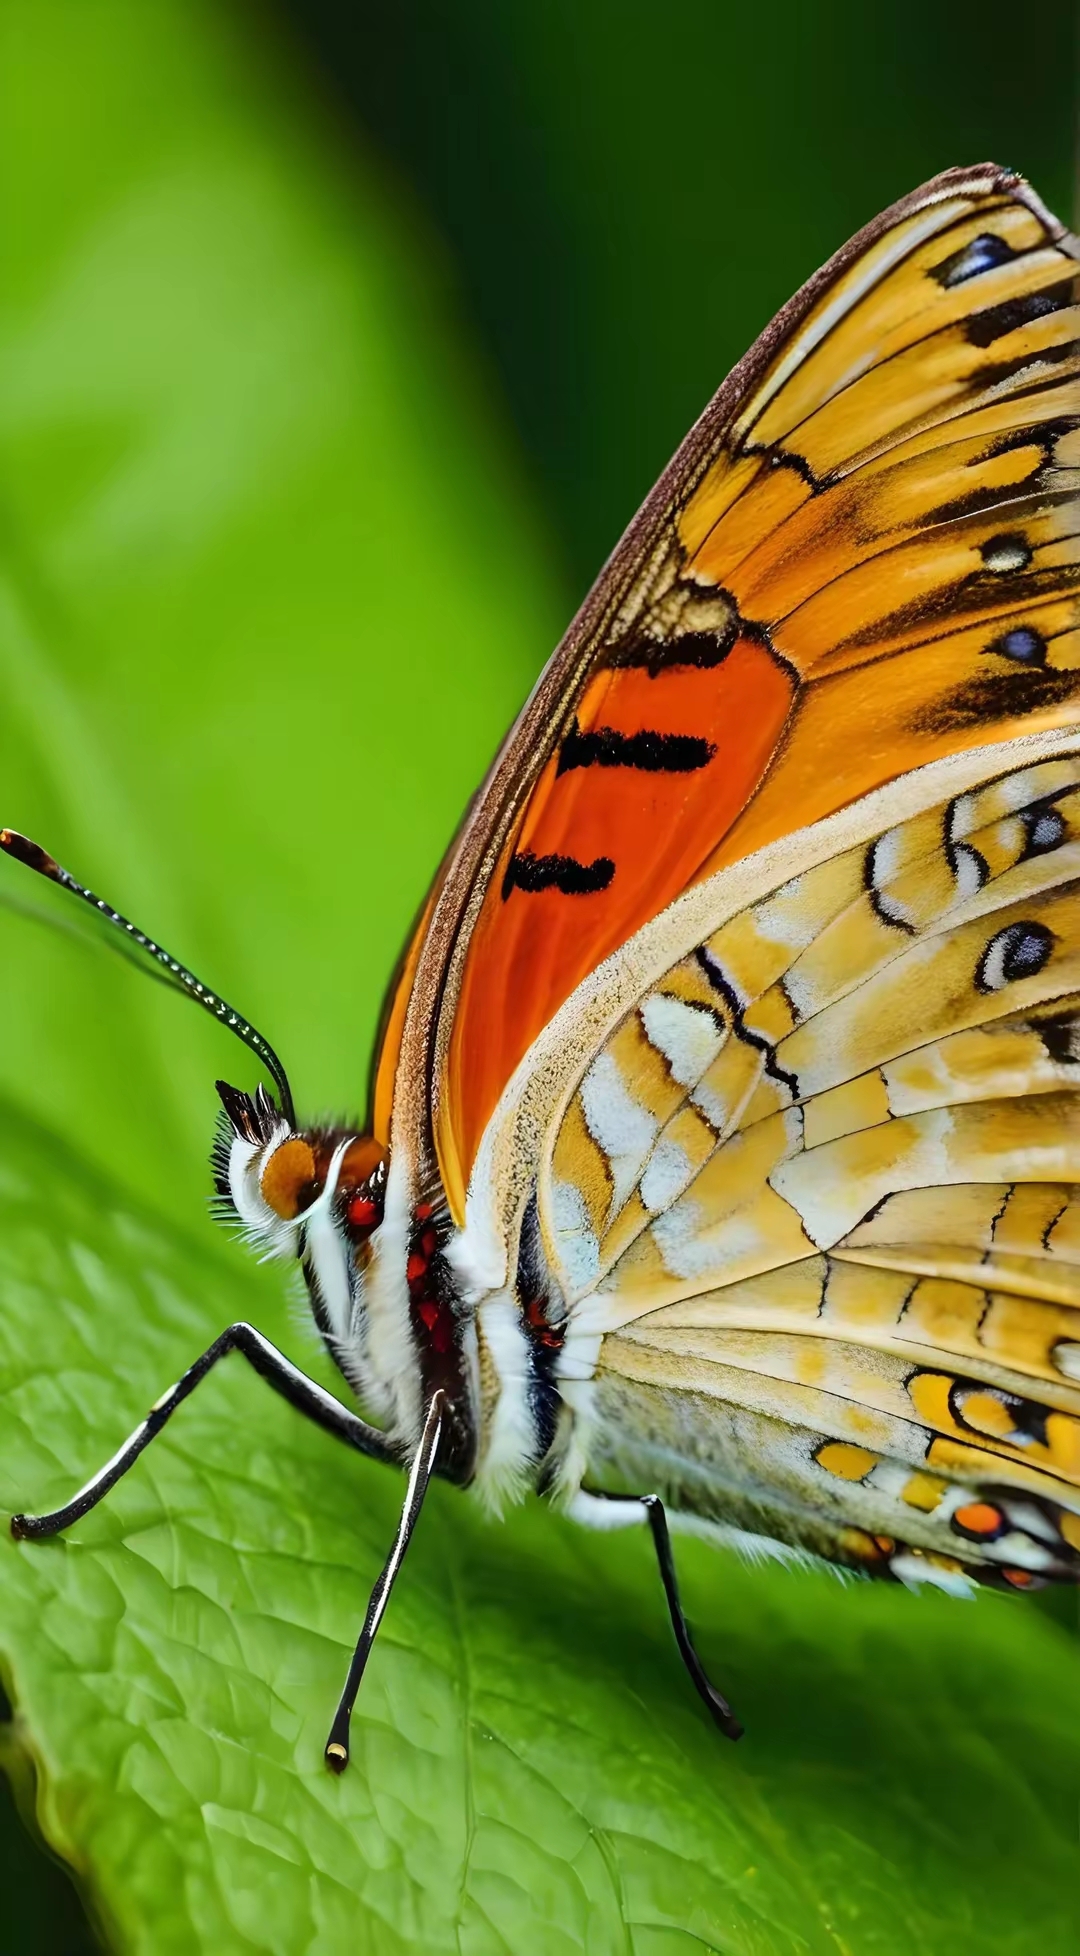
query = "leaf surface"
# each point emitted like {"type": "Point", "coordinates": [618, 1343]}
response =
{"type": "Point", "coordinates": [531, 1769]}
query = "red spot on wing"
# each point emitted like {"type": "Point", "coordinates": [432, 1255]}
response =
{"type": "Point", "coordinates": [979, 1518]}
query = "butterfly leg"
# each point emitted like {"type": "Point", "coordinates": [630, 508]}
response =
{"type": "Point", "coordinates": [617, 1511]}
{"type": "Point", "coordinates": [271, 1365]}
{"type": "Point", "coordinates": [336, 1752]}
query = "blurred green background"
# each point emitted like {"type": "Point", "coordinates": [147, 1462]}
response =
{"type": "Point", "coordinates": [629, 191]}
{"type": "Point", "coordinates": [576, 215]}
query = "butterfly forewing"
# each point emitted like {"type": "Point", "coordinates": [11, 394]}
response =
{"type": "Point", "coordinates": [865, 557]}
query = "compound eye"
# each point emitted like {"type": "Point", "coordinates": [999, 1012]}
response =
{"type": "Point", "coordinates": [289, 1183]}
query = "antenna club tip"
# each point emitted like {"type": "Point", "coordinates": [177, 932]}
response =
{"type": "Point", "coordinates": [336, 1756]}
{"type": "Point", "coordinates": [30, 853]}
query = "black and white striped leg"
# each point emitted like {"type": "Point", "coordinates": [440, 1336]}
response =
{"type": "Point", "coordinates": [337, 1745]}
{"type": "Point", "coordinates": [271, 1365]}
{"type": "Point", "coordinates": [622, 1511]}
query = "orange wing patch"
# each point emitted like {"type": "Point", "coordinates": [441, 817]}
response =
{"type": "Point", "coordinates": [643, 782]}
{"type": "Point", "coordinates": [865, 557]}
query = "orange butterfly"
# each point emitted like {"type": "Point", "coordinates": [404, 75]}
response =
{"type": "Point", "coordinates": [724, 1132]}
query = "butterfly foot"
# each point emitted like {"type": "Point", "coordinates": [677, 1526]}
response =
{"type": "Point", "coordinates": [722, 1713]}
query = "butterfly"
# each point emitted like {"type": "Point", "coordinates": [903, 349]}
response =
{"type": "Point", "coordinates": [724, 1134]}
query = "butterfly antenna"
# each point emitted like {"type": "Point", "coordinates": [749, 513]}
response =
{"type": "Point", "coordinates": [174, 973]}
{"type": "Point", "coordinates": [336, 1752]}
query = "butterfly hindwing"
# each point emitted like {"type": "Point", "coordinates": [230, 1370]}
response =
{"type": "Point", "coordinates": [819, 1182]}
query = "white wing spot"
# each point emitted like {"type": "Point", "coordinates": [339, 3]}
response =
{"type": "Point", "coordinates": [688, 1036]}
{"type": "Point", "coordinates": [969, 871]}
{"type": "Point", "coordinates": [887, 855]}
{"type": "Point", "coordinates": [915, 1572]}
{"type": "Point", "coordinates": [1066, 1357]}
{"type": "Point", "coordinates": [619, 1124]}
{"type": "Point", "coordinates": [693, 1245]}
{"type": "Point", "coordinates": [578, 1249]}
{"type": "Point", "coordinates": [668, 1173]}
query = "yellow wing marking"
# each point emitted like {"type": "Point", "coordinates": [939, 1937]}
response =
{"type": "Point", "coordinates": [915, 1318]}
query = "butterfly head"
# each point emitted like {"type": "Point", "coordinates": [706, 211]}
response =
{"type": "Point", "coordinates": [320, 1195]}
{"type": "Point", "coordinates": [316, 1193]}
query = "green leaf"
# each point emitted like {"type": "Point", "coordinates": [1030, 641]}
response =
{"type": "Point", "coordinates": [270, 592]}
{"type": "Point", "coordinates": [531, 1771]}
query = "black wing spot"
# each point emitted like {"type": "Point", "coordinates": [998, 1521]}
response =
{"type": "Point", "coordinates": [1006, 553]}
{"type": "Point", "coordinates": [1043, 435]}
{"type": "Point", "coordinates": [999, 695]}
{"type": "Point", "coordinates": [1018, 951]}
{"type": "Point", "coordinates": [1023, 644]}
{"type": "Point", "coordinates": [652, 753]}
{"type": "Point", "coordinates": [564, 873]}
{"type": "Point", "coordinates": [1036, 367]}
{"type": "Point", "coordinates": [1040, 442]}
{"type": "Point", "coordinates": [981, 255]}
{"type": "Point", "coordinates": [983, 328]}
{"type": "Point", "coordinates": [704, 650]}
{"type": "Point", "coordinates": [1060, 1036]}
{"type": "Point", "coordinates": [1045, 829]}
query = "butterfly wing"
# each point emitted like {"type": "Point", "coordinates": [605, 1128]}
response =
{"type": "Point", "coordinates": [887, 482]}
{"type": "Point", "coordinates": [746, 1003]}
{"type": "Point", "coordinates": [811, 1204]}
